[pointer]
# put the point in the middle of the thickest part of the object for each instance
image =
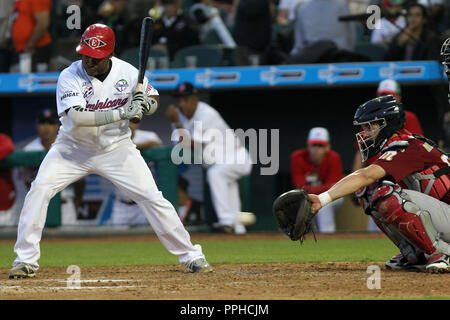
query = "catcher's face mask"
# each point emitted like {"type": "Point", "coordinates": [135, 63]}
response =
{"type": "Point", "coordinates": [367, 137]}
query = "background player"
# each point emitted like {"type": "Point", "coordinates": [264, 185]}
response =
{"type": "Point", "coordinates": [95, 99]}
{"type": "Point", "coordinates": [47, 127]}
{"type": "Point", "coordinates": [200, 119]}
{"type": "Point", "coordinates": [316, 169]}
{"type": "Point", "coordinates": [406, 189]}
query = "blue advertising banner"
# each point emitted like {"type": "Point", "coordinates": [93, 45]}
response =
{"type": "Point", "coordinates": [255, 77]}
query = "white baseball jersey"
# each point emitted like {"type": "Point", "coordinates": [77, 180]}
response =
{"type": "Point", "coordinates": [107, 150]}
{"type": "Point", "coordinates": [208, 127]}
{"type": "Point", "coordinates": [76, 88]}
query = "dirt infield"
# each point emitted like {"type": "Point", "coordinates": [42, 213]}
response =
{"type": "Point", "coordinates": [251, 282]}
{"type": "Point", "coordinates": [338, 280]}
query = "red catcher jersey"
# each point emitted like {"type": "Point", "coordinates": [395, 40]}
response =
{"type": "Point", "coordinates": [316, 179]}
{"type": "Point", "coordinates": [417, 157]}
{"type": "Point", "coordinates": [7, 188]}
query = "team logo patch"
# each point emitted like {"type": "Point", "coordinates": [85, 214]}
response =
{"type": "Point", "coordinates": [121, 85]}
{"type": "Point", "coordinates": [88, 90]}
{"type": "Point", "coordinates": [94, 42]}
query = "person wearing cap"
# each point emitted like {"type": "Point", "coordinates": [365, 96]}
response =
{"type": "Point", "coordinates": [96, 98]}
{"type": "Point", "coordinates": [47, 127]}
{"type": "Point", "coordinates": [412, 124]}
{"type": "Point", "coordinates": [315, 169]}
{"type": "Point", "coordinates": [222, 154]}
{"type": "Point", "coordinates": [390, 25]}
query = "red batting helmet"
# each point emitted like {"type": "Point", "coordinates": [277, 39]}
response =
{"type": "Point", "coordinates": [97, 41]}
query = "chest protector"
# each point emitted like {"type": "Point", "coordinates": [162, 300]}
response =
{"type": "Point", "coordinates": [433, 181]}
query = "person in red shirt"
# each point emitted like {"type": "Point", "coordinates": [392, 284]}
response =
{"type": "Point", "coordinates": [30, 30]}
{"type": "Point", "coordinates": [316, 169]}
{"type": "Point", "coordinates": [7, 188]}
{"type": "Point", "coordinates": [406, 189]}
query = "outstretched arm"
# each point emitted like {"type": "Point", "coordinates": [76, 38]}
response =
{"type": "Point", "coordinates": [347, 185]}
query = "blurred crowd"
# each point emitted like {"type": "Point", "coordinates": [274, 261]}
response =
{"type": "Point", "coordinates": [242, 32]}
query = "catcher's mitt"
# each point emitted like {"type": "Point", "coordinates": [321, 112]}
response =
{"type": "Point", "coordinates": [294, 214]}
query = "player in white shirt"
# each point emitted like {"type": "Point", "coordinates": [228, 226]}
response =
{"type": "Point", "coordinates": [95, 100]}
{"type": "Point", "coordinates": [48, 125]}
{"type": "Point", "coordinates": [224, 157]}
{"type": "Point", "coordinates": [125, 212]}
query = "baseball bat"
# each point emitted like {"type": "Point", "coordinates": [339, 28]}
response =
{"type": "Point", "coordinates": [144, 51]}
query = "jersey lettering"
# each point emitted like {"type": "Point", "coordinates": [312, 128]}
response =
{"type": "Point", "coordinates": [427, 147]}
{"type": "Point", "coordinates": [388, 156]}
{"type": "Point", "coordinates": [445, 159]}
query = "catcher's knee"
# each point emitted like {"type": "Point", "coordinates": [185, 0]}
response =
{"type": "Point", "coordinates": [397, 209]}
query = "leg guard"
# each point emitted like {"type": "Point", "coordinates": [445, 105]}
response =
{"type": "Point", "coordinates": [397, 210]}
{"type": "Point", "coordinates": [408, 250]}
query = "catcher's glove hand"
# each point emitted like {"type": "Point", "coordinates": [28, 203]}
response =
{"type": "Point", "coordinates": [294, 214]}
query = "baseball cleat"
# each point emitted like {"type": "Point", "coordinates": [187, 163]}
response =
{"type": "Point", "coordinates": [222, 228]}
{"type": "Point", "coordinates": [22, 270]}
{"type": "Point", "coordinates": [399, 262]}
{"type": "Point", "coordinates": [200, 266]}
{"type": "Point", "coordinates": [438, 263]}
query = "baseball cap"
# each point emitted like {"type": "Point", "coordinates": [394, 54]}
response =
{"type": "Point", "coordinates": [185, 89]}
{"type": "Point", "coordinates": [388, 86]}
{"type": "Point", "coordinates": [48, 116]}
{"type": "Point", "coordinates": [318, 135]}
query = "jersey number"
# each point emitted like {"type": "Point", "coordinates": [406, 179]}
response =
{"type": "Point", "coordinates": [445, 159]}
{"type": "Point", "coordinates": [388, 155]}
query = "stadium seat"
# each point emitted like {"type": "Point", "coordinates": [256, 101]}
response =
{"type": "Point", "coordinates": [131, 55]}
{"type": "Point", "coordinates": [372, 51]}
{"type": "Point", "coordinates": [207, 56]}
{"type": "Point", "coordinates": [361, 35]}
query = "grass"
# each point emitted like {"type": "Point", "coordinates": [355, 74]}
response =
{"type": "Point", "coordinates": [112, 253]}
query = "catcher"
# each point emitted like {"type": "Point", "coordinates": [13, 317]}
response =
{"type": "Point", "coordinates": [406, 190]}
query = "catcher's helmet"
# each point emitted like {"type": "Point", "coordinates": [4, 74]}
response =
{"type": "Point", "coordinates": [384, 111]}
{"type": "Point", "coordinates": [97, 41]}
{"type": "Point", "coordinates": [445, 55]}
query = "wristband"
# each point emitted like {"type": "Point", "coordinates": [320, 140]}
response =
{"type": "Point", "coordinates": [324, 198]}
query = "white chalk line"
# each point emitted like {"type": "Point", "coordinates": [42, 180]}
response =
{"type": "Point", "coordinates": [74, 285]}
{"type": "Point", "coordinates": [68, 287]}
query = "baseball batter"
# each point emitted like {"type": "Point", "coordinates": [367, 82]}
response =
{"type": "Point", "coordinates": [95, 99]}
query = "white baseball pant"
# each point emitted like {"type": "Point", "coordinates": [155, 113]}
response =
{"type": "Point", "coordinates": [223, 180]}
{"type": "Point", "coordinates": [66, 162]}
{"type": "Point", "coordinates": [325, 217]}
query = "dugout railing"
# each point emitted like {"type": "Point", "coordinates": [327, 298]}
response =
{"type": "Point", "coordinates": [166, 179]}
